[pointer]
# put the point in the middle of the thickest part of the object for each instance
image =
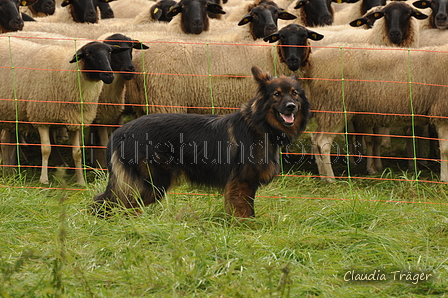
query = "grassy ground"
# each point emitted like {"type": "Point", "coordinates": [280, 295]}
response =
{"type": "Point", "coordinates": [306, 241]}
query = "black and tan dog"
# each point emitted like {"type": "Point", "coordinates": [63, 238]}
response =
{"type": "Point", "coordinates": [236, 153]}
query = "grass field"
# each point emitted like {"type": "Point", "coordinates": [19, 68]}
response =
{"type": "Point", "coordinates": [308, 239]}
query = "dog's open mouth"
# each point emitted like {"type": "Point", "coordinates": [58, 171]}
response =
{"type": "Point", "coordinates": [288, 120]}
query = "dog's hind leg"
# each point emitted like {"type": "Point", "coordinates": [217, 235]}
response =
{"type": "Point", "coordinates": [239, 198]}
{"type": "Point", "coordinates": [157, 180]}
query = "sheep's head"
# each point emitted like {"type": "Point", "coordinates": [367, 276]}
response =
{"type": "Point", "coordinates": [10, 17]}
{"type": "Point", "coordinates": [316, 12]}
{"type": "Point", "coordinates": [194, 18]}
{"type": "Point", "coordinates": [82, 11]}
{"type": "Point", "coordinates": [397, 19]}
{"type": "Point", "coordinates": [160, 9]}
{"type": "Point", "coordinates": [293, 46]}
{"type": "Point", "coordinates": [121, 61]}
{"type": "Point", "coordinates": [439, 14]}
{"type": "Point", "coordinates": [263, 19]}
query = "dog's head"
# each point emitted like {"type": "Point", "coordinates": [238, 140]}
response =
{"type": "Point", "coordinates": [280, 103]}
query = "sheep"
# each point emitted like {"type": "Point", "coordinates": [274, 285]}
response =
{"type": "Point", "coordinates": [111, 99]}
{"type": "Point", "coordinates": [313, 13]}
{"type": "Point", "coordinates": [439, 15]}
{"type": "Point", "coordinates": [106, 12]}
{"type": "Point", "coordinates": [213, 15]}
{"type": "Point", "coordinates": [78, 11]}
{"type": "Point", "coordinates": [262, 17]}
{"type": "Point", "coordinates": [68, 88]}
{"type": "Point", "coordinates": [41, 8]}
{"type": "Point", "coordinates": [396, 25]}
{"type": "Point", "coordinates": [356, 10]}
{"type": "Point", "coordinates": [156, 12]}
{"type": "Point", "coordinates": [193, 15]}
{"type": "Point", "coordinates": [10, 17]}
{"type": "Point", "coordinates": [368, 87]}
{"type": "Point", "coordinates": [192, 89]}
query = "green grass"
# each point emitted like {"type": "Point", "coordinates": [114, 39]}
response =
{"type": "Point", "coordinates": [306, 235]}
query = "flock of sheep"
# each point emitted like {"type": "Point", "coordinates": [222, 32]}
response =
{"type": "Point", "coordinates": [78, 63]}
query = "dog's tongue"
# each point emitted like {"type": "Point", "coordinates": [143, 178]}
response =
{"type": "Point", "coordinates": [288, 118]}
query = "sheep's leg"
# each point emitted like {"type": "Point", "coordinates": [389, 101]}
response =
{"type": "Point", "coordinates": [385, 139]}
{"type": "Point", "coordinates": [442, 131]}
{"type": "Point", "coordinates": [322, 144]}
{"type": "Point", "coordinates": [100, 159]}
{"type": "Point", "coordinates": [45, 148]}
{"type": "Point", "coordinates": [8, 151]}
{"type": "Point", "coordinates": [377, 144]}
{"type": "Point", "coordinates": [75, 139]}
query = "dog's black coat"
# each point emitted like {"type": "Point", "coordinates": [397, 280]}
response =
{"type": "Point", "coordinates": [237, 152]}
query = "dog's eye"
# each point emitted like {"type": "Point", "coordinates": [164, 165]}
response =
{"type": "Point", "coordinates": [277, 94]}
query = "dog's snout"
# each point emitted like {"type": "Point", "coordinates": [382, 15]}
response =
{"type": "Point", "coordinates": [290, 106]}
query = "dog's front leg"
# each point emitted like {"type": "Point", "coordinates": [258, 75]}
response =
{"type": "Point", "coordinates": [239, 198]}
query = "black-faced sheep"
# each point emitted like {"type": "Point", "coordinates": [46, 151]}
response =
{"type": "Point", "coordinates": [396, 25]}
{"type": "Point", "coordinates": [78, 11]}
{"type": "Point", "coordinates": [193, 15]}
{"type": "Point", "coordinates": [376, 81]}
{"type": "Point", "coordinates": [439, 12]}
{"type": "Point", "coordinates": [156, 12]}
{"type": "Point", "coordinates": [111, 99]}
{"type": "Point", "coordinates": [41, 8]}
{"type": "Point", "coordinates": [208, 71]}
{"type": "Point", "coordinates": [106, 11]}
{"type": "Point", "coordinates": [262, 18]}
{"type": "Point", "coordinates": [75, 84]}
{"type": "Point", "coordinates": [10, 16]}
{"type": "Point", "coordinates": [313, 13]}
{"type": "Point", "coordinates": [355, 10]}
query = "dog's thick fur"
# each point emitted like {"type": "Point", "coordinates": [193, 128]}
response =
{"type": "Point", "coordinates": [236, 153]}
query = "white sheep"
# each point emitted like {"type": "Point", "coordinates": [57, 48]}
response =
{"type": "Point", "coordinates": [396, 25]}
{"type": "Point", "coordinates": [191, 75]}
{"type": "Point", "coordinates": [111, 100]}
{"type": "Point", "coordinates": [78, 11]}
{"type": "Point", "coordinates": [355, 10]}
{"type": "Point", "coordinates": [70, 99]}
{"type": "Point", "coordinates": [376, 81]}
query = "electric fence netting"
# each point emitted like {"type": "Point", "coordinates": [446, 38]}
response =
{"type": "Point", "coordinates": [379, 114]}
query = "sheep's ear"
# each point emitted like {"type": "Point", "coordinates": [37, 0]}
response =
{"type": "Point", "coordinates": [359, 22]}
{"type": "Point", "coordinates": [423, 4]}
{"type": "Point", "coordinates": [78, 56]}
{"type": "Point", "coordinates": [418, 15]}
{"type": "Point", "coordinates": [156, 12]}
{"type": "Point", "coordinates": [246, 19]}
{"type": "Point", "coordinates": [175, 10]}
{"type": "Point", "coordinates": [284, 15]}
{"type": "Point", "coordinates": [139, 45]}
{"type": "Point", "coordinates": [273, 37]}
{"type": "Point", "coordinates": [375, 15]}
{"type": "Point", "coordinates": [261, 77]}
{"type": "Point", "coordinates": [215, 8]}
{"type": "Point", "coordinates": [116, 49]}
{"type": "Point", "coordinates": [66, 2]}
{"type": "Point", "coordinates": [27, 18]}
{"type": "Point", "coordinates": [301, 3]}
{"type": "Point", "coordinates": [314, 35]}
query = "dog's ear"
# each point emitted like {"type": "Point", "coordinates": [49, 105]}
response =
{"type": "Point", "coordinates": [261, 77]}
